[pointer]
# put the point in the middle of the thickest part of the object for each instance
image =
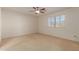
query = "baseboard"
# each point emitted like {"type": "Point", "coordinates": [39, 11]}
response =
{"type": "Point", "coordinates": [16, 36]}
{"type": "Point", "coordinates": [60, 37]}
{"type": "Point", "coordinates": [43, 34]}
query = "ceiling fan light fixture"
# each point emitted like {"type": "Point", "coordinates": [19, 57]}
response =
{"type": "Point", "coordinates": [37, 11]}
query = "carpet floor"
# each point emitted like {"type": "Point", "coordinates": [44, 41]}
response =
{"type": "Point", "coordinates": [38, 42]}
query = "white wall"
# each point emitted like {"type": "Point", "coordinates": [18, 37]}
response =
{"type": "Point", "coordinates": [0, 24]}
{"type": "Point", "coordinates": [71, 26]}
{"type": "Point", "coordinates": [15, 24]}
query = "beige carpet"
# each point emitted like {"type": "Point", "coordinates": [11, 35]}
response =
{"type": "Point", "coordinates": [38, 42]}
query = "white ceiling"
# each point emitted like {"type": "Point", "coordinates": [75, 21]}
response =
{"type": "Point", "coordinates": [29, 10]}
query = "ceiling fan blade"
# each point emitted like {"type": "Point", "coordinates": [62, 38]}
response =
{"type": "Point", "coordinates": [34, 7]}
{"type": "Point", "coordinates": [42, 9]}
{"type": "Point", "coordinates": [42, 12]}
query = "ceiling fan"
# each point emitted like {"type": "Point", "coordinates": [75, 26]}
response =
{"type": "Point", "coordinates": [38, 10]}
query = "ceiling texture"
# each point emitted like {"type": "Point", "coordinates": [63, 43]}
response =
{"type": "Point", "coordinates": [30, 10]}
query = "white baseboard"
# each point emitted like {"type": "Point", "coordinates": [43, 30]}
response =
{"type": "Point", "coordinates": [66, 38]}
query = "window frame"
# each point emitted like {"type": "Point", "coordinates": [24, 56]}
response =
{"type": "Point", "coordinates": [54, 23]}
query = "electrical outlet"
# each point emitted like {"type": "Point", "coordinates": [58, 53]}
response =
{"type": "Point", "coordinates": [75, 36]}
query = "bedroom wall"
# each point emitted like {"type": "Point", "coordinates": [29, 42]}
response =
{"type": "Point", "coordinates": [0, 24]}
{"type": "Point", "coordinates": [15, 24]}
{"type": "Point", "coordinates": [71, 27]}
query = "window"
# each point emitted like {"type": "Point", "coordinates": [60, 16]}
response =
{"type": "Point", "coordinates": [51, 22]}
{"type": "Point", "coordinates": [57, 21]}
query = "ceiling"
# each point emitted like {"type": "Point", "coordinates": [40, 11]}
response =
{"type": "Point", "coordinates": [29, 10]}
